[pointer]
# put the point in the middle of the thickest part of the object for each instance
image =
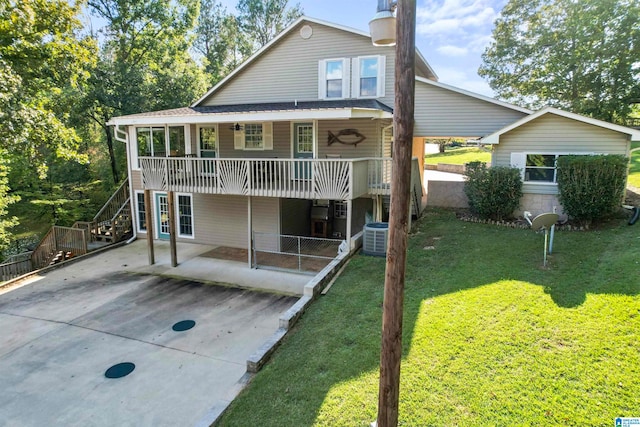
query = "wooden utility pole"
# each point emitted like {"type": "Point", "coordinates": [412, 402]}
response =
{"type": "Point", "coordinates": [399, 219]}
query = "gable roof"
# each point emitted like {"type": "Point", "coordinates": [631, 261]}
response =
{"type": "Point", "coordinates": [420, 61]}
{"type": "Point", "coordinates": [494, 138]}
{"type": "Point", "coordinates": [336, 109]}
{"type": "Point", "coordinates": [474, 95]}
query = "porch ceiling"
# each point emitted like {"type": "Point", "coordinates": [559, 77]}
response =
{"type": "Point", "coordinates": [278, 111]}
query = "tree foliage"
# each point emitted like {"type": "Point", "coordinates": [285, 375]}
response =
{"type": "Point", "coordinates": [219, 40]}
{"type": "Point", "coordinates": [144, 62]}
{"type": "Point", "coordinates": [581, 55]}
{"type": "Point", "coordinates": [262, 20]}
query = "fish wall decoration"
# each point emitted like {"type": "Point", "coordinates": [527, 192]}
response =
{"type": "Point", "coordinates": [346, 137]}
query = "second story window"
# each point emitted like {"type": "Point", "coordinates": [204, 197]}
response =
{"type": "Point", "coordinates": [334, 75]}
{"type": "Point", "coordinates": [368, 77]}
{"type": "Point", "coordinates": [253, 136]}
{"type": "Point", "coordinates": [161, 141]}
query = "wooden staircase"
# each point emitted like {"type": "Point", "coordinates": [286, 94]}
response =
{"type": "Point", "coordinates": [110, 225]}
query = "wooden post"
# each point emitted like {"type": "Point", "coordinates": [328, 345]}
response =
{"type": "Point", "coordinates": [391, 348]}
{"type": "Point", "coordinates": [148, 210]}
{"type": "Point", "coordinates": [172, 228]}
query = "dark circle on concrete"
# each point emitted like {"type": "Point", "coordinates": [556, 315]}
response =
{"type": "Point", "coordinates": [184, 325]}
{"type": "Point", "coordinates": [120, 370]}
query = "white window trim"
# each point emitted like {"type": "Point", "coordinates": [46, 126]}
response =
{"type": "Point", "coordinates": [322, 78]}
{"type": "Point", "coordinates": [134, 137]}
{"type": "Point", "coordinates": [212, 126]}
{"type": "Point", "coordinates": [177, 213]}
{"type": "Point", "coordinates": [380, 78]}
{"type": "Point", "coordinates": [239, 140]}
{"type": "Point", "coordinates": [137, 212]}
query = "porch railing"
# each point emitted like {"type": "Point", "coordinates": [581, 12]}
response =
{"type": "Point", "coordinates": [335, 179]}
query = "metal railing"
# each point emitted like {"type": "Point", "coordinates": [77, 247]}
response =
{"type": "Point", "coordinates": [298, 253]}
{"type": "Point", "coordinates": [335, 179]}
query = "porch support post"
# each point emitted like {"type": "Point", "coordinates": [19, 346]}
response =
{"type": "Point", "coordinates": [349, 219]}
{"type": "Point", "coordinates": [149, 223]}
{"type": "Point", "coordinates": [172, 228]}
{"type": "Point", "coordinates": [250, 229]}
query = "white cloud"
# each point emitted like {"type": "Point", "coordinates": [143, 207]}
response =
{"type": "Point", "coordinates": [450, 50]}
{"type": "Point", "coordinates": [441, 17]}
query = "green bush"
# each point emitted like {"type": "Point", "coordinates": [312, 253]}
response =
{"type": "Point", "coordinates": [493, 193]}
{"type": "Point", "coordinates": [591, 187]}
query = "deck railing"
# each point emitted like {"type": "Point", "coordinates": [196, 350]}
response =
{"type": "Point", "coordinates": [15, 266]}
{"type": "Point", "coordinates": [335, 179]}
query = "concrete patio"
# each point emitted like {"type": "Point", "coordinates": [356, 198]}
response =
{"type": "Point", "coordinates": [63, 329]}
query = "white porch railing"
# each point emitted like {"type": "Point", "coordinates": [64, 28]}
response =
{"type": "Point", "coordinates": [334, 179]}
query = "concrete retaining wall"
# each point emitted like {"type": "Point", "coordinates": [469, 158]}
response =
{"type": "Point", "coordinates": [446, 194]}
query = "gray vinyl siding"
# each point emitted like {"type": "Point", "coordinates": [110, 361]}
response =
{"type": "Point", "coordinates": [289, 69]}
{"type": "Point", "coordinates": [281, 143]}
{"type": "Point", "coordinates": [370, 147]}
{"type": "Point", "coordinates": [222, 220]}
{"type": "Point", "coordinates": [136, 179]}
{"type": "Point", "coordinates": [552, 134]}
{"type": "Point", "coordinates": [444, 113]}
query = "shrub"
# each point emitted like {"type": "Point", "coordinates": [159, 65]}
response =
{"type": "Point", "coordinates": [591, 187]}
{"type": "Point", "coordinates": [493, 193]}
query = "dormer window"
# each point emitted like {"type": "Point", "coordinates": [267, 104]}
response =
{"type": "Point", "coordinates": [368, 77]}
{"type": "Point", "coordinates": [334, 77]}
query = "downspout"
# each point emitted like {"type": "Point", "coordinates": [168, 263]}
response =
{"type": "Point", "coordinates": [122, 136]}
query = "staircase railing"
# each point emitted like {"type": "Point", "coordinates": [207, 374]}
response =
{"type": "Point", "coordinates": [62, 242]}
{"type": "Point", "coordinates": [65, 240]}
{"type": "Point", "coordinates": [111, 208]}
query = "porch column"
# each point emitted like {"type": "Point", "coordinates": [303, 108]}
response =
{"type": "Point", "coordinates": [172, 228]}
{"type": "Point", "coordinates": [250, 229]}
{"type": "Point", "coordinates": [349, 219]}
{"type": "Point", "coordinates": [148, 211]}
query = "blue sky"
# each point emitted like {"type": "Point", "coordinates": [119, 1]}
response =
{"type": "Point", "coordinates": [450, 34]}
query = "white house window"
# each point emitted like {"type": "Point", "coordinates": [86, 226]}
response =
{"type": "Point", "coordinates": [253, 136]}
{"type": "Point", "coordinates": [541, 168]}
{"type": "Point", "coordinates": [368, 77]}
{"type": "Point", "coordinates": [142, 213]}
{"type": "Point", "coordinates": [340, 209]}
{"type": "Point", "coordinates": [161, 141]}
{"type": "Point", "coordinates": [333, 78]}
{"type": "Point", "coordinates": [208, 142]}
{"type": "Point", "coordinates": [185, 215]}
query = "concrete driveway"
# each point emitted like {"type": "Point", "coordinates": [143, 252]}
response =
{"type": "Point", "coordinates": [61, 333]}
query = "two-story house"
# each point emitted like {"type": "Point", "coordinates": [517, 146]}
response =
{"type": "Point", "coordinates": [295, 141]}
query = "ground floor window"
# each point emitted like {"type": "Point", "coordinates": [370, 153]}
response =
{"type": "Point", "coordinates": [185, 215]}
{"type": "Point", "coordinates": [141, 212]}
{"type": "Point", "coordinates": [340, 209]}
{"type": "Point", "coordinates": [541, 168]}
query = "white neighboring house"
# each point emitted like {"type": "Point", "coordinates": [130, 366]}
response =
{"type": "Point", "coordinates": [534, 142]}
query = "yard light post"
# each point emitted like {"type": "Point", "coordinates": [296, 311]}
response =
{"type": "Point", "coordinates": [399, 220]}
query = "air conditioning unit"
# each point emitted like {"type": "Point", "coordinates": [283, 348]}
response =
{"type": "Point", "coordinates": [374, 239]}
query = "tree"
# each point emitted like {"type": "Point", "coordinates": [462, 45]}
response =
{"type": "Point", "coordinates": [144, 62]}
{"type": "Point", "coordinates": [43, 62]}
{"type": "Point", "coordinates": [219, 40]}
{"type": "Point", "coordinates": [581, 56]}
{"type": "Point", "coordinates": [262, 20]}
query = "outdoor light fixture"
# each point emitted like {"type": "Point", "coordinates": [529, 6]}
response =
{"type": "Point", "coordinates": [236, 127]}
{"type": "Point", "coordinates": [383, 24]}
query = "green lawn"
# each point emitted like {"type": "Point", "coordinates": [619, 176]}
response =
{"type": "Point", "coordinates": [634, 171]}
{"type": "Point", "coordinates": [459, 156]}
{"type": "Point", "coordinates": [490, 336]}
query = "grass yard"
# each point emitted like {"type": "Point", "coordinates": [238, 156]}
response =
{"type": "Point", "coordinates": [459, 156]}
{"type": "Point", "coordinates": [490, 337]}
{"type": "Point", "coordinates": [634, 171]}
